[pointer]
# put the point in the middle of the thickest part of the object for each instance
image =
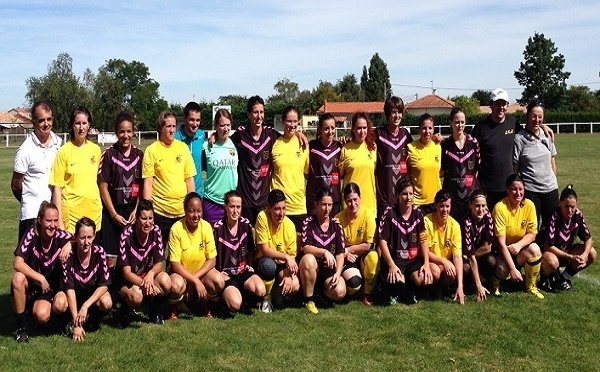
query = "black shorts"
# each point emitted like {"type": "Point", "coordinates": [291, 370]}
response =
{"type": "Point", "coordinates": [165, 224]}
{"type": "Point", "coordinates": [407, 267]}
{"type": "Point", "coordinates": [35, 294]}
{"type": "Point", "coordinates": [298, 221]}
{"type": "Point", "coordinates": [111, 231]}
{"type": "Point", "coordinates": [351, 265]}
{"type": "Point", "coordinates": [239, 280]}
{"type": "Point", "coordinates": [23, 226]}
{"type": "Point", "coordinates": [324, 273]}
{"type": "Point", "coordinates": [251, 213]}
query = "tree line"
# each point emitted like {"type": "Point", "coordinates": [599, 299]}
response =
{"type": "Point", "coordinates": [120, 84]}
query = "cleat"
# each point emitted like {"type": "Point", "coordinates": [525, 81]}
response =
{"type": "Point", "coordinates": [266, 306]}
{"type": "Point", "coordinates": [311, 307]}
{"type": "Point", "coordinates": [367, 300]}
{"type": "Point", "coordinates": [535, 292]}
{"type": "Point", "coordinates": [157, 319]}
{"type": "Point", "coordinates": [393, 300]}
{"type": "Point", "coordinates": [21, 336]}
{"type": "Point", "coordinates": [563, 283]}
{"type": "Point", "coordinates": [549, 285]}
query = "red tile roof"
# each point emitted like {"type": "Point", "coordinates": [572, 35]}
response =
{"type": "Point", "coordinates": [512, 108]}
{"type": "Point", "coordinates": [351, 107]}
{"type": "Point", "coordinates": [430, 101]}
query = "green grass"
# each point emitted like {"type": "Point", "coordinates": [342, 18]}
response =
{"type": "Point", "coordinates": [515, 332]}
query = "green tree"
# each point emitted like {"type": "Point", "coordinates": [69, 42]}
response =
{"type": "Point", "coordinates": [347, 88]}
{"type": "Point", "coordinates": [364, 81]}
{"type": "Point", "coordinates": [324, 91]}
{"type": "Point", "coordinates": [287, 91]}
{"type": "Point", "coordinates": [61, 88]}
{"type": "Point", "coordinates": [581, 98]}
{"type": "Point", "coordinates": [541, 73]}
{"type": "Point", "coordinates": [306, 103]}
{"type": "Point", "coordinates": [470, 105]}
{"type": "Point", "coordinates": [127, 85]}
{"type": "Point", "coordinates": [238, 108]}
{"type": "Point", "coordinates": [483, 96]}
{"type": "Point", "coordinates": [377, 86]}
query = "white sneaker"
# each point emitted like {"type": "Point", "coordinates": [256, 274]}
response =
{"type": "Point", "coordinates": [266, 306]}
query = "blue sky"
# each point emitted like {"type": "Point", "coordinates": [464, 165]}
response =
{"type": "Point", "coordinates": [203, 49]}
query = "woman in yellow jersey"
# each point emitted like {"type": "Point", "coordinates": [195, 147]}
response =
{"type": "Point", "coordinates": [74, 173]}
{"type": "Point", "coordinates": [168, 171]}
{"type": "Point", "coordinates": [359, 230]}
{"type": "Point", "coordinates": [290, 165]}
{"type": "Point", "coordinates": [358, 159]}
{"type": "Point", "coordinates": [424, 164]}
{"type": "Point", "coordinates": [515, 228]}
{"type": "Point", "coordinates": [192, 257]}
{"type": "Point", "coordinates": [445, 245]}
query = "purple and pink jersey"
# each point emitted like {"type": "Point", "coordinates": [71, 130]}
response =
{"type": "Point", "coordinates": [391, 165]}
{"type": "Point", "coordinates": [254, 167]}
{"type": "Point", "coordinates": [323, 170]}
{"type": "Point", "coordinates": [460, 167]}
{"type": "Point", "coordinates": [331, 239]}
{"type": "Point", "coordinates": [562, 234]}
{"type": "Point", "coordinates": [86, 277]}
{"type": "Point", "coordinates": [140, 256]}
{"type": "Point", "coordinates": [403, 236]}
{"type": "Point", "coordinates": [44, 260]}
{"type": "Point", "coordinates": [234, 252]}
{"type": "Point", "coordinates": [123, 174]}
{"type": "Point", "coordinates": [476, 233]}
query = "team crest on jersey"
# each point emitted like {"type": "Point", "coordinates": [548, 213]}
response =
{"type": "Point", "coordinates": [413, 237]}
{"type": "Point", "coordinates": [298, 153]}
{"type": "Point", "coordinates": [370, 155]}
{"type": "Point", "coordinates": [448, 243]}
{"type": "Point", "coordinates": [332, 248]}
{"type": "Point", "coordinates": [508, 131]}
{"type": "Point", "coordinates": [136, 173]}
{"type": "Point", "coordinates": [437, 158]}
{"type": "Point", "coordinates": [471, 164]}
{"type": "Point", "coordinates": [93, 159]}
{"type": "Point", "coordinates": [201, 246]}
{"type": "Point", "coordinates": [178, 159]}
{"type": "Point", "coordinates": [359, 231]}
{"type": "Point", "coordinates": [244, 251]}
{"type": "Point", "coordinates": [523, 223]}
{"type": "Point", "coordinates": [278, 247]}
{"type": "Point", "coordinates": [232, 152]}
{"type": "Point", "coordinates": [265, 155]}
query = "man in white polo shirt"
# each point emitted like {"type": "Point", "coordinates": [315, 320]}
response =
{"type": "Point", "coordinates": [33, 161]}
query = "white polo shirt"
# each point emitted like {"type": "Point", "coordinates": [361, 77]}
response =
{"type": "Point", "coordinates": [34, 161]}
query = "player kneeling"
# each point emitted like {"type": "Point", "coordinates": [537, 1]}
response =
{"type": "Point", "coordinates": [235, 250]}
{"type": "Point", "coordinates": [445, 245]}
{"type": "Point", "coordinates": [515, 228]}
{"type": "Point", "coordinates": [276, 249]}
{"type": "Point", "coordinates": [85, 280]}
{"type": "Point", "coordinates": [403, 245]}
{"type": "Point", "coordinates": [192, 257]}
{"type": "Point", "coordinates": [37, 274]}
{"type": "Point", "coordinates": [565, 224]}
{"type": "Point", "coordinates": [323, 253]}
{"type": "Point", "coordinates": [359, 230]}
{"type": "Point", "coordinates": [140, 264]}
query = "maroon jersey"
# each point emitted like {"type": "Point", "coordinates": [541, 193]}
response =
{"type": "Point", "coordinates": [391, 163]}
{"type": "Point", "coordinates": [332, 239]}
{"type": "Point", "coordinates": [79, 277]}
{"type": "Point", "coordinates": [43, 260]}
{"type": "Point", "coordinates": [403, 236]}
{"type": "Point", "coordinates": [460, 167]}
{"type": "Point", "coordinates": [140, 256]}
{"type": "Point", "coordinates": [323, 170]}
{"type": "Point", "coordinates": [254, 167]}
{"type": "Point", "coordinates": [122, 173]}
{"type": "Point", "coordinates": [475, 234]}
{"type": "Point", "coordinates": [561, 234]}
{"type": "Point", "coordinates": [234, 252]}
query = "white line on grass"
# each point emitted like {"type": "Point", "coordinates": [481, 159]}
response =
{"type": "Point", "coordinates": [589, 279]}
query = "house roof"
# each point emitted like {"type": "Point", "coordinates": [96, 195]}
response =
{"type": "Point", "coordinates": [351, 107]}
{"type": "Point", "coordinates": [15, 116]}
{"type": "Point", "coordinates": [430, 101]}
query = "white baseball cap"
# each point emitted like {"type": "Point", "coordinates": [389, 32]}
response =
{"type": "Point", "coordinates": [499, 94]}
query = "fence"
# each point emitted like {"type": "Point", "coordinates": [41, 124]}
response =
{"type": "Point", "coordinates": [144, 138]}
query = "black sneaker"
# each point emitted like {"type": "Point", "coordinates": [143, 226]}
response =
{"type": "Point", "coordinates": [21, 335]}
{"type": "Point", "coordinates": [563, 283]}
{"type": "Point", "coordinates": [157, 318]}
{"type": "Point", "coordinates": [547, 285]}
{"type": "Point", "coordinates": [124, 316]}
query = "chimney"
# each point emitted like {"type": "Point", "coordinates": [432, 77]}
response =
{"type": "Point", "coordinates": [416, 96]}
{"type": "Point", "coordinates": [325, 105]}
{"type": "Point", "coordinates": [435, 92]}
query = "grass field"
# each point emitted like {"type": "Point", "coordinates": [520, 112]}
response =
{"type": "Point", "coordinates": [512, 333]}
